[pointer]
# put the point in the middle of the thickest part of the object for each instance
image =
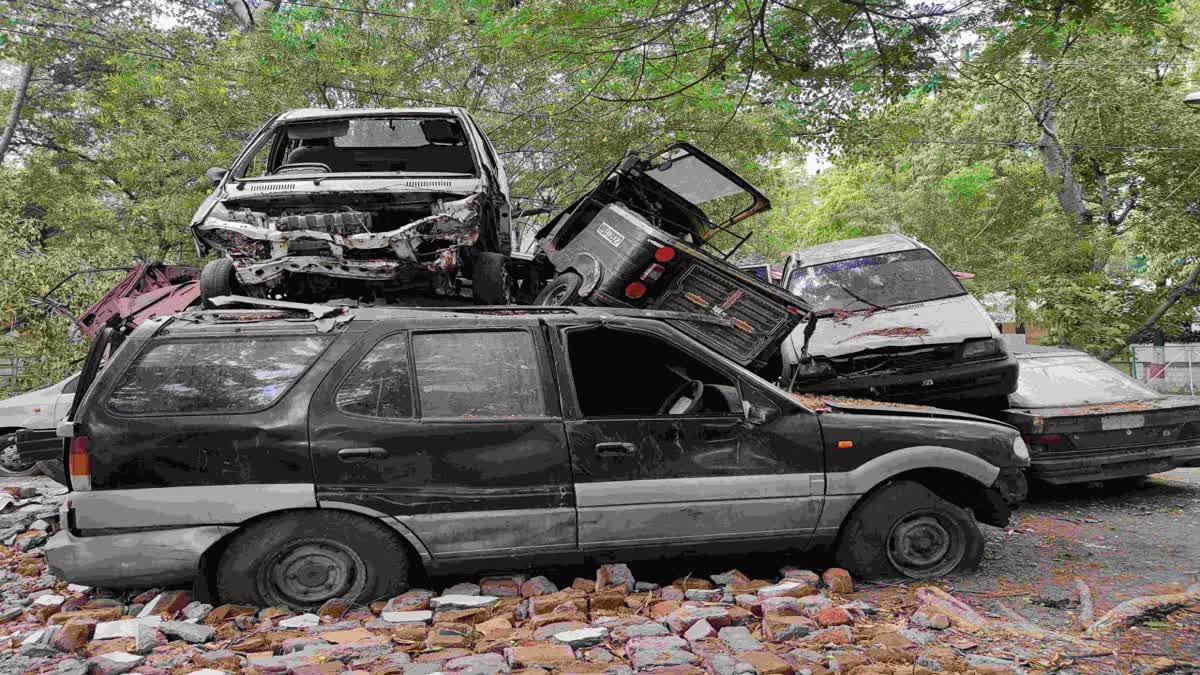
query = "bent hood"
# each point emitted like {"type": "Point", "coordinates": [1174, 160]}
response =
{"type": "Point", "coordinates": [945, 321]}
{"type": "Point", "coordinates": [820, 403]}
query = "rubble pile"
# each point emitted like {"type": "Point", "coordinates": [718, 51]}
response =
{"type": "Point", "coordinates": [728, 624]}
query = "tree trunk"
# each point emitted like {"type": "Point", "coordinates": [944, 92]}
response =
{"type": "Point", "coordinates": [14, 112]}
{"type": "Point", "coordinates": [264, 8]}
{"type": "Point", "coordinates": [1056, 160]}
{"type": "Point", "coordinates": [241, 10]}
{"type": "Point", "coordinates": [1172, 298]}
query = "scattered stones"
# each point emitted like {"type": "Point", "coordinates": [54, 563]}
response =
{"type": "Point", "coordinates": [834, 616]}
{"type": "Point", "coordinates": [615, 576]}
{"type": "Point", "coordinates": [700, 630]}
{"type": "Point", "coordinates": [502, 587]}
{"type": "Point", "coordinates": [464, 588]}
{"type": "Point", "coordinates": [653, 652]}
{"type": "Point", "coordinates": [194, 633]}
{"type": "Point", "coordinates": [739, 639]}
{"type": "Point", "coordinates": [838, 580]}
{"type": "Point", "coordinates": [538, 586]}
{"type": "Point", "coordinates": [457, 601]}
{"type": "Point", "coordinates": [540, 655]}
{"type": "Point", "coordinates": [114, 663]}
{"type": "Point", "coordinates": [682, 619]}
{"type": "Point", "coordinates": [793, 589]}
{"type": "Point", "coordinates": [581, 637]}
{"type": "Point", "coordinates": [301, 621]}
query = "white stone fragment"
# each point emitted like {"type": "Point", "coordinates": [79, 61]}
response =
{"type": "Point", "coordinates": [49, 600]}
{"type": "Point", "coordinates": [421, 616]}
{"type": "Point", "coordinates": [78, 588]}
{"type": "Point", "coordinates": [463, 601]}
{"type": "Point", "coordinates": [302, 621]}
{"type": "Point", "coordinates": [125, 628]}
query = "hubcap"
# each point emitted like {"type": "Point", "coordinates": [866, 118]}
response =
{"type": "Point", "coordinates": [307, 573]}
{"type": "Point", "coordinates": [11, 461]}
{"type": "Point", "coordinates": [923, 545]}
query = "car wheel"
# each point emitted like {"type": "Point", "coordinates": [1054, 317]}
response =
{"type": "Point", "coordinates": [489, 279]}
{"type": "Point", "coordinates": [217, 279]}
{"type": "Point", "coordinates": [11, 463]}
{"type": "Point", "coordinates": [302, 559]}
{"type": "Point", "coordinates": [53, 468]}
{"type": "Point", "coordinates": [562, 290]}
{"type": "Point", "coordinates": [905, 529]}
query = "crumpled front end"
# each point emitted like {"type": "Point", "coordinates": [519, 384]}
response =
{"type": "Point", "coordinates": [346, 243]}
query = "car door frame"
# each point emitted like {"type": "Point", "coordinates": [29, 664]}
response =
{"type": "Point", "coordinates": [484, 533]}
{"type": "Point", "coordinates": [787, 491]}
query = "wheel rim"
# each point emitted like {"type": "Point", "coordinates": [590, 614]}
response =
{"type": "Point", "coordinates": [925, 544]}
{"type": "Point", "coordinates": [11, 462]}
{"type": "Point", "coordinates": [308, 572]}
{"type": "Point", "coordinates": [559, 294]}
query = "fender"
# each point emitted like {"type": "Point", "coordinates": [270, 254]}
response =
{"type": "Point", "coordinates": [589, 268]}
{"type": "Point", "coordinates": [399, 527]}
{"type": "Point", "coordinates": [861, 480]}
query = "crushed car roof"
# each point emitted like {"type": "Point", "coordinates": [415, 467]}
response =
{"type": "Point", "coordinates": [855, 248]}
{"type": "Point", "coordinates": [326, 113]}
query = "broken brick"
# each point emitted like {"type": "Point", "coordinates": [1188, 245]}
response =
{"type": "Point", "coordinates": [838, 580]}
{"type": "Point", "coordinates": [615, 576]}
{"type": "Point", "coordinates": [834, 616]}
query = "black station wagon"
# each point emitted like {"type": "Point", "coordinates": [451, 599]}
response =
{"type": "Point", "coordinates": [290, 454]}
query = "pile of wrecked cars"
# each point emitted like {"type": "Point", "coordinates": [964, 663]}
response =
{"type": "Point", "coordinates": [612, 390]}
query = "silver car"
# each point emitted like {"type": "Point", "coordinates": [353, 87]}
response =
{"type": "Point", "coordinates": [363, 204]}
{"type": "Point", "coordinates": [40, 409]}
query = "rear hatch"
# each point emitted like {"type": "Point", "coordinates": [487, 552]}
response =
{"type": "Point", "coordinates": [761, 316]}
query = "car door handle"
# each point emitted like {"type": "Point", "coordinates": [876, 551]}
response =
{"type": "Point", "coordinates": [615, 449]}
{"type": "Point", "coordinates": [355, 454]}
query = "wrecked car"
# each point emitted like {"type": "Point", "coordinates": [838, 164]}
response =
{"type": "Point", "coordinates": [656, 233]}
{"type": "Point", "coordinates": [894, 323]}
{"type": "Point", "coordinates": [39, 409]}
{"type": "Point", "coordinates": [149, 289]}
{"type": "Point", "coordinates": [360, 204]}
{"type": "Point", "coordinates": [1084, 420]}
{"type": "Point", "coordinates": [283, 454]}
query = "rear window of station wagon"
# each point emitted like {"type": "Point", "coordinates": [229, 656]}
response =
{"type": "Point", "coordinates": [224, 375]}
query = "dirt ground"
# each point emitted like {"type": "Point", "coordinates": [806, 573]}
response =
{"type": "Point", "coordinates": [1124, 541]}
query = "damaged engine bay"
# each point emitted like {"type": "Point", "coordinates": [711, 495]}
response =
{"type": "Point", "coordinates": [348, 244]}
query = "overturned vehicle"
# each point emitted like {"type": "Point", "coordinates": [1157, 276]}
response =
{"type": "Point", "coordinates": [359, 204]}
{"type": "Point", "coordinates": [657, 233]}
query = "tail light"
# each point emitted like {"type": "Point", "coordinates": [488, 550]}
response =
{"type": "Point", "coordinates": [1047, 442]}
{"type": "Point", "coordinates": [664, 254]}
{"type": "Point", "coordinates": [79, 464]}
{"type": "Point", "coordinates": [635, 290]}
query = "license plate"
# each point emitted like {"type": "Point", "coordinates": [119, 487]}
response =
{"type": "Point", "coordinates": [607, 233]}
{"type": "Point", "coordinates": [1113, 422]}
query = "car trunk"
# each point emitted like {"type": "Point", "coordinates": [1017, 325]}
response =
{"type": "Point", "coordinates": [1100, 429]}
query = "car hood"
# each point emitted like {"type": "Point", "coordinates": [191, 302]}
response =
{"type": "Point", "coordinates": [861, 406]}
{"type": "Point", "coordinates": [949, 320]}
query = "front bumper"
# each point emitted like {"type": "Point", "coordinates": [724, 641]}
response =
{"type": "Point", "coordinates": [1114, 464]}
{"type": "Point", "coordinates": [984, 378]}
{"type": "Point", "coordinates": [132, 560]}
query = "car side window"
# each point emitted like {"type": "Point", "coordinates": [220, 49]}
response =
{"type": "Point", "coordinates": [379, 386]}
{"type": "Point", "coordinates": [643, 375]}
{"type": "Point", "coordinates": [226, 375]}
{"type": "Point", "coordinates": [478, 374]}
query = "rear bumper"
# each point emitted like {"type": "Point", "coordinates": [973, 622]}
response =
{"type": "Point", "coordinates": [132, 560]}
{"type": "Point", "coordinates": [961, 380]}
{"type": "Point", "coordinates": [1116, 464]}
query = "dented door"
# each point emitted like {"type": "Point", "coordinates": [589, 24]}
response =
{"type": "Point", "coordinates": [455, 434]}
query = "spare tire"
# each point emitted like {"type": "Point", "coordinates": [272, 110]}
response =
{"type": "Point", "coordinates": [216, 279]}
{"type": "Point", "coordinates": [562, 290]}
{"type": "Point", "coordinates": [489, 279]}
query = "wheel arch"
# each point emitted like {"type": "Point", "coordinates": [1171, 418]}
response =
{"type": "Point", "coordinates": [205, 580]}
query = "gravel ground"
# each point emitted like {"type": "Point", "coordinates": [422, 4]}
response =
{"type": "Point", "coordinates": [1124, 541]}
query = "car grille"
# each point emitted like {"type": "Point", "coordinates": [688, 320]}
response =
{"type": "Point", "coordinates": [883, 360]}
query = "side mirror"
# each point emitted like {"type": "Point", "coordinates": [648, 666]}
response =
{"type": "Point", "coordinates": [757, 414]}
{"type": "Point", "coordinates": [215, 175]}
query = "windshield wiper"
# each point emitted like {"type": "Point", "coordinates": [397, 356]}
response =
{"type": "Point", "coordinates": [861, 299]}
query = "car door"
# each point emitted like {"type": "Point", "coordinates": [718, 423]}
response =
{"type": "Point", "coordinates": [650, 473]}
{"type": "Point", "coordinates": [455, 433]}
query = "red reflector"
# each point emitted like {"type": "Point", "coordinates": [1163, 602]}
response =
{"type": "Point", "coordinates": [664, 254]}
{"type": "Point", "coordinates": [635, 290]}
{"type": "Point", "coordinates": [1046, 439]}
{"type": "Point", "coordinates": [80, 462]}
{"type": "Point", "coordinates": [794, 310]}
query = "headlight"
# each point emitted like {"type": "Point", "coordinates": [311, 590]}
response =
{"type": "Point", "coordinates": [1020, 449]}
{"type": "Point", "coordinates": [979, 348]}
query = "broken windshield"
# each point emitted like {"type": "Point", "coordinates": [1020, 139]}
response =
{"type": "Point", "coordinates": [419, 144]}
{"type": "Point", "coordinates": [876, 281]}
{"type": "Point", "coordinates": [1074, 380]}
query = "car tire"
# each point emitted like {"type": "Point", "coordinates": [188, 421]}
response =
{"type": "Point", "coordinates": [904, 529]}
{"type": "Point", "coordinates": [303, 559]}
{"type": "Point", "coordinates": [217, 279]}
{"type": "Point", "coordinates": [53, 469]}
{"type": "Point", "coordinates": [561, 290]}
{"type": "Point", "coordinates": [490, 283]}
{"type": "Point", "coordinates": [10, 462]}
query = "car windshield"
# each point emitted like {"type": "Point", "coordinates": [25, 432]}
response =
{"type": "Point", "coordinates": [419, 144]}
{"type": "Point", "coordinates": [1073, 380]}
{"type": "Point", "coordinates": [884, 280]}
